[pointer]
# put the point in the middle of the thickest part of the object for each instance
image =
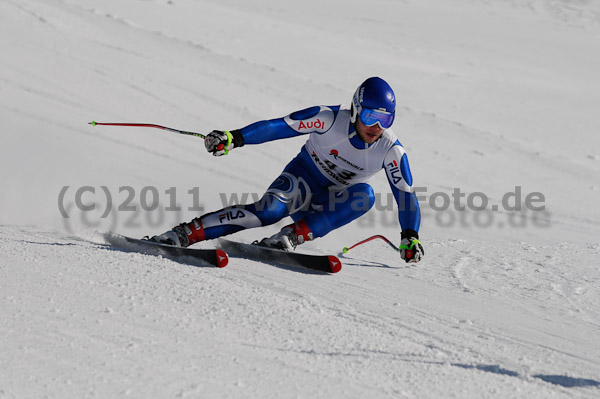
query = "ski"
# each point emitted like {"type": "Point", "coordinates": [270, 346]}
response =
{"type": "Point", "coordinates": [214, 257]}
{"type": "Point", "coordinates": [322, 263]}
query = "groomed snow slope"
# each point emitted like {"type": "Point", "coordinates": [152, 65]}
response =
{"type": "Point", "coordinates": [492, 96]}
{"type": "Point", "coordinates": [84, 320]}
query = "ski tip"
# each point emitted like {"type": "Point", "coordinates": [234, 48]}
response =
{"type": "Point", "coordinates": [335, 264]}
{"type": "Point", "coordinates": [222, 258]}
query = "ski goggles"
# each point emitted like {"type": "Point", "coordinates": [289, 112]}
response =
{"type": "Point", "coordinates": [371, 117]}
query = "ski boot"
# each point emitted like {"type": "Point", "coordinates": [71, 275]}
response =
{"type": "Point", "coordinates": [288, 237]}
{"type": "Point", "coordinates": [183, 235]}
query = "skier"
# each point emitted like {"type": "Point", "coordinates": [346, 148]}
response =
{"type": "Point", "coordinates": [325, 186]}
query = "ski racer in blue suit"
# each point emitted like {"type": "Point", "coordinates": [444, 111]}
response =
{"type": "Point", "coordinates": [326, 185]}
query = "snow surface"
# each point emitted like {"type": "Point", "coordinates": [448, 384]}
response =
{"type": "Point", "coordinates": [492, 95]}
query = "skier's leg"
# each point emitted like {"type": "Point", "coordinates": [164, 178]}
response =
{"type": "Point", "coordinates": [287, 194]}
{"type": "Point", "coordinates": [339, 209]}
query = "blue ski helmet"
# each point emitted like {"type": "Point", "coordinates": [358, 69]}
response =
{"type": "Point", "coordinates": [374, 103]}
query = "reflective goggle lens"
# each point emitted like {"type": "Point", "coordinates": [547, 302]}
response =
{"type": "Point", "coordinates": [370, 117]}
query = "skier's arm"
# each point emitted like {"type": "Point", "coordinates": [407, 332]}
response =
{"type": "Point", "coordinates": [398, 173]}
{"type": "Point", "coordinates": [317, 119]}
{"type": "Point", "coordinates": [409, 214]}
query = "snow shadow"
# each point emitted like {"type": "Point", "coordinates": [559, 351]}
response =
{"type": "Point", "coordinates": [181, 259]}
{"type": "Point", "coordinates": [568, 382]}
{"type": "Point", "coordinates": [562, 380]}
{"type": "Point", "coordinates": [365, 263]}
{"type": "Point", "coordinates": [297, 269]}
{"type": "Point", "coordinates": [51, 244]}
{"type": "Point", "coordinates": [490, 368]}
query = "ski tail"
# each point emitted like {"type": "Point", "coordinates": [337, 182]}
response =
{"type": "Point", "coordinates": [334, 263]}
{"type": "Point", "coordinates": [214, 257]}
{"type": "Point", "coordinates": [222, 259]}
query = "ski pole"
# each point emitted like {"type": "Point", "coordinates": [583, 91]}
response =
{"type": "Point", "coordinates": [94, 123]}
{"type": "Point", "coordinates": [391, 244]}
{"type": "Point", "coordinates": [220, 147]}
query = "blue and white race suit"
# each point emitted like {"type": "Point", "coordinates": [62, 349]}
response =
{"type": "Point", "coordinates": [326, 184]}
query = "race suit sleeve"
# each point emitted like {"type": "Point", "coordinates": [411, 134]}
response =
{"type": "Point", "coordinates": [398, 173]}
{"type": "Point", "coordinates": [318, 119]}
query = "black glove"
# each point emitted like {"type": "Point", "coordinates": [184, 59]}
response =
{"type": "Point", "coordinates": [411, 249]}
{"type": "Point", "coordinates": [220, 142]}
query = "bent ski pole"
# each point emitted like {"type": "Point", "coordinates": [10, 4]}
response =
{"type": "Point", "coordinates": [220, 147]}
{"type": "Point", "coordinates": [391, 244]}
{"type": "Point", "coordinates": [94, 123]}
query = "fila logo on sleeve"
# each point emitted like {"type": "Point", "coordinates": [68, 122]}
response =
{"type": "Point", "coordinates": [394, 171]}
